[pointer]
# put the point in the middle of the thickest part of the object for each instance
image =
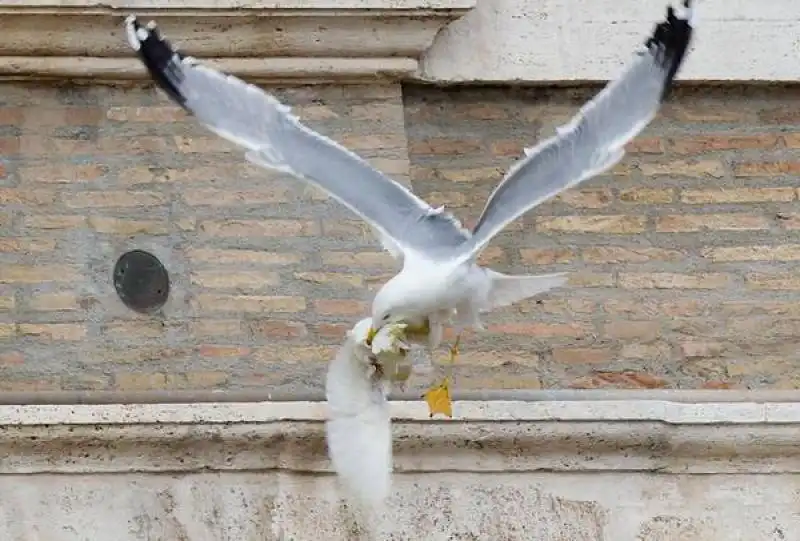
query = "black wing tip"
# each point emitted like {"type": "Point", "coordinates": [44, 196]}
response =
{"type": "Point", "coordinates": [163, 63]}
{"type": "Point", "coordinates": [670, 41]}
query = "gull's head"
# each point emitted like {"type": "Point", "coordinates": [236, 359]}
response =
{"type": "Point", "coordinates": [394, 303]}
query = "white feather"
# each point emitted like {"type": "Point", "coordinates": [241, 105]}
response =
{"type": "Point", "coordinates": [359, 430]}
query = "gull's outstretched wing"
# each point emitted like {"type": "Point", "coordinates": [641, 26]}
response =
{"type": "Point", "coordinates": [275, 139]}
{"type": "Point", "coordinates": [594, 140]}
{"type": "Point", "coordinates": [359, 433]}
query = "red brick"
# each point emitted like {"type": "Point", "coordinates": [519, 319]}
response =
{"type": "Point", "coordinates": [13, 196]}
{"type": "Point", "coordinates": [592, 224]}
{"type": "Point", "coordinates": [700, 144]}
{"type": "Point", "coordinates": [509, 148]}
{"type": "Point", "coordinates": [238, 280]}
{"type": "Point", "coordinates": [666, 280]}
{"type": "Point", "coordinates": [492, 255]}
{"type": "Point", "coordinates": [105, 199]}
{"type": "Point", "coordinates": [780, 115]}
{"type": "Point", "coordinates": [258, 228]}
{"type": "Point", "coordinates": [11, 358]}
{"type": "Point", "coordinates": [644, 145]}
{"type": "Point", "coordinates": [652, 351]}
{"type": "Point", "coordinates": [343, 307]}
{"type": "Point", "coordinates": [242, 257]}
{"type": "Point", "coordinates": [766, 169]}
{"type": "Point", "coordinates": [591, 279]}
{"type": "Point", "coordinates": [717, 385]}
{"type": "Point", "coordinates": [478, 174]}
{"type": "Point", "coordinates": [692, 169]}
{"type": "Point", "coordinates": [276, 329]}
{"type": "Point", "coordinates": [191, 145]}
{"type": "Point", "coordinates": [294, 354]}
{"type": "Point", "coordinates": [705, 112]}
{"type": "Point", "coordinates": [146, 114]}
{"type": "Point", "coordinates": [485, 112]}
{"type": "Point", "coordinates": [781, 281]}
{"type": "Point", "coordinates": [32, 274]}
{"type": "Point", "coordinates": [385, 141]}
{"type": "Point", "coordinates": [27, 244]}
{"type": "Point", "coordinates": [786, 252]}
{"type": "Point", "coordinates": [53, 331]}
{"type": "Point", "coordinates": [582, 355]}
{"type": "Point", "coordinates": [50, 302]}
{"type": "Point", "coordinates": [619, 254]}
{"type": "Point", "coordinates": [646, 196]}
{"type": "Point", "coordinates": [222, 351]}
{"type": "Point", "coordinates": [620, 380]}
{"type": "Point", "coordinates": [364, 260]}
{"type": "Point", "coordinates": [444, 147]}
{"type": "Point", "coordinates": [117, 226]}
{"type": "Point", "coordinates": [645, 331]}
{"type": "Point", "coordinates": [539, 329]}
{"type": "Point", "coordinates": [331, 330]}
{"type": "Point", "coordinates": [789, 221]}
{"type": "Point", "coordinates": [590, 199]}
{"type": "Point", "coordinates": [60, 174]}
{"type": "Point", "coordinates": [546, 256]}
{"type": "Point", "coordinates": [207, 302]}
{"type": "Point", "coordinates": [738, 195]}
{"type": "Point", "coordinates": [230, 328]}
{"type": "Point", "coordinates": [679, 223]}
{"type": "Point", "coordinates": [331, 278]}
{"type": "Point", "coordinates": [226, 198]}
{"type": "Point", "coordinates": [693, 350]}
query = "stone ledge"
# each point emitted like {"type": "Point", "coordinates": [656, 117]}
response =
{"type": "Point", "coordinates": [563, 41]}
{"type": "Point", "coordinates": [571, 436]}
{"type": "Point", "coordinates": [299, 41]}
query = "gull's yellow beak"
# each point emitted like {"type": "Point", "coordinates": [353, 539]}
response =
{"type": "Point", "coordinates": [371, 335]}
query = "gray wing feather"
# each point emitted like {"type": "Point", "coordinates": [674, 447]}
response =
{"type": "Point", "coordinates": [276, 139]}
{"type": "Point", "coordinates": [593, 141]}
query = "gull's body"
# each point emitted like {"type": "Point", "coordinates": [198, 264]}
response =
{"type": "Point", "coordinates": [440, 277]}
{"type": "Point", "coordinates": [438, 294]}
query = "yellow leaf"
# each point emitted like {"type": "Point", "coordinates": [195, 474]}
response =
{"type": "Point", "coordinates": [438, 399]}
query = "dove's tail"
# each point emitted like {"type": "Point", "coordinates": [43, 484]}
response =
{"type": "Point", "coordinates": [359, 430]}
{"type": "Point", "coordinates": [508, 289]}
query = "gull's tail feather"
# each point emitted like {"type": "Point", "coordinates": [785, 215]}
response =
{"type": "Point", "coordinates": [359, 431]}
{"type": "Point", "coordinates": [509, 289]}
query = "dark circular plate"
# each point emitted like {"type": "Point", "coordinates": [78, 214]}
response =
{"type": "Point", "coordinates": [141, 281]}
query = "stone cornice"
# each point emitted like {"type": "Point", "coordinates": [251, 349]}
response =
{"type": "Point", "coordinates": [279, 41]}
{"type": "Point", "coordinates": [603, 435]}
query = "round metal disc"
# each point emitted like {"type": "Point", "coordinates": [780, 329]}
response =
{"type": "Point", "coordinates": [141, 281]}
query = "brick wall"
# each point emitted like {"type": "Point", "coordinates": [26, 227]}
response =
{"type": "Point", "coordinates": [266, 274]}
{"type": "Point", "coordinates": [683, 257]}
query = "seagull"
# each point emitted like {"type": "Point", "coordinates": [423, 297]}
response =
{"type": "Point", "coordinates": [440, 281]}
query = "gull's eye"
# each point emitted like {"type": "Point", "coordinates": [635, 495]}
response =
{"type": "Point", "coordinates": [385, 318]}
